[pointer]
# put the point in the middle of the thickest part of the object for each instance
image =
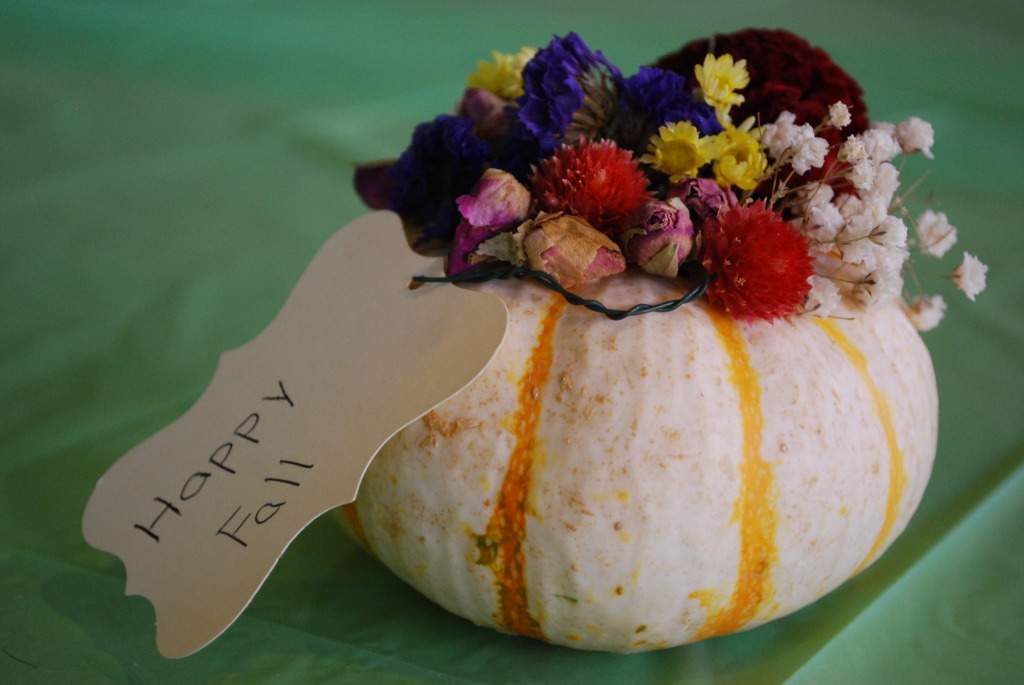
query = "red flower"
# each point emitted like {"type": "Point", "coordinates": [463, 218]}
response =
{"type": "Point", "coordinates": [786, 74]}
{"type": "Point", "coordinates": [759, 261]}
{"type": "Point", "coordinates": [595, 181]}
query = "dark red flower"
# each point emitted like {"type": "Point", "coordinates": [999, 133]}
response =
{"type": "Point", "coordinates": [595, 181]}
{"type": "Point", "coordinates": [786, 74]}
{"type": "Point", "coordinates": [759, 261]}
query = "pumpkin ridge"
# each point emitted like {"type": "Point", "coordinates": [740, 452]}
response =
{"type": "Point", "coordinates": [506, 528]}
{"type": "Point", "coordinates": [897, 471]}
{"type": "Point", "coordinates": [753, 509]}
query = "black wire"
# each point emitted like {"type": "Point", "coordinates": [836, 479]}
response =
{"type": "Point", "coordinates": [551, 282]}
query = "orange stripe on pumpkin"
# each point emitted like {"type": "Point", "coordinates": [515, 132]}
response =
{"type": "Point", "coordinates": [506, 529]}
{"type": "Point", "coordinates": [754, 508]}
{"type": "Point", "coordinates": [897, 471]}
{"type": "Point", "coordinates": [356, 524]}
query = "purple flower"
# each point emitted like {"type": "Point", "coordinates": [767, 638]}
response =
{"type": "Point", "coordinates": [660, 237]}
{"type": "Point", "coordinates": [555, 83]}
{"type": "Point", "coordinates": [703, 197]}
{"type": "Point", "coordinates": [443, 162]}
{"type": "Point", "coordinates": [520, 151]}
{"type": "Point", "coordinates": [662, 97]}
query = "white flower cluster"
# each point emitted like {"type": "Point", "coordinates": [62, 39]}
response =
{"type": "Point", "coordinates": [796, 145]}
{"type": "Point", "coordinates": [970, 276]}
{"type": "Point", "coordinates": [854, 218]}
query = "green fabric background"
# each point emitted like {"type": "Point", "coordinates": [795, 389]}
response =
{"type": "Point", "coordinates": [167, 170]}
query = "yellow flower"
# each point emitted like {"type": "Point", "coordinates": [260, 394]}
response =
{"type": "Point", "coordinates": [719, 79]}
{"type": "Point", "coordinates": [738, 159]}
{"type": "Point", "coordinates": [677, 150]}
{"type": "Point", "coordinates": [504, 76]}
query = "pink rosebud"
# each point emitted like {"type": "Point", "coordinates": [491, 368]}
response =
{"type": "Point", "coordinates": [498, 203]}
{"type": "Point", "coordinates": [571, 250]}
{"type": "Point", "coordinates": [660, 237]}
{"type": "Point", "coordinates": [487, 110]}
{"type": "Point", "coordinates": [497, 199]}
{"type": "Point", "coordinates": [467, 238]}
{"type": "Point", "coordinates": [703, 197]}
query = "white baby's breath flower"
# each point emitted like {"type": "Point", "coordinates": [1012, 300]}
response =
{"type": "Point", "coordinates": [926, 312]}
{"type": "Point", "coordinates": [780, 136]}
{"type": "Point", "coordinates": [886, 182]}
{"type": "Point", "coordinates": [818, 194]}
{"type": "Point", "coordinates": [887, 276]}
{"type": "Point", "coordinates": [809, 153]}
{"type": "Point", "coordinates": [838, 115]}
{"type": "Point", "coordinates": [970, 276]}
{"type": "Point", "coordinates": [871, 211]}
{"type": "Point", "coordinates": [858, 251]}
{"type": "Point", "coordinates": [896, 258]}
{"type": "Point", "coordinates": [855, 239]}
{"type": "Point", "coordinates": [935, 232]}
{"type": "Point", "coordinates": [892, 232]}
{"type": "Point", "coordinates": [824, 297]}
{"type": "Point", "coordinates": [822, 223]}
{"type": "Point", "coordinates": [888, 287]}
{"type": "Point", "coordinates": [805, 149]}
{"type": "Point", "coordinates": [880, 142]}
{"type": "Point", "coordinates": [886, 126]}
{"type": "Point", "coordinates": [862, 174]}
{"type": "Point", "coordinates": [915, 134]}
{"type": "Point", "coordinates": [849, 205]}
{"type": "Point", "coordinates": [813, 194]}
{"type": "Point", "coordinates": [852, 150]}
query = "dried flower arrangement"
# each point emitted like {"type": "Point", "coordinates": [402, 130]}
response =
{"type": "Point", "coordinates": [556, 162]}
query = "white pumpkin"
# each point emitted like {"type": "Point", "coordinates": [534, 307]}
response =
{"type": "Point", "coordinates": [650, 482]}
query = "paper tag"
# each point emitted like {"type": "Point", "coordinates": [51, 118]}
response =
{"type": "Point", "coordinates": [200, 512]}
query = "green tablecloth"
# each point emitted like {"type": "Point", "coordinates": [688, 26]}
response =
{"type": "Point", "coordinates": [167, 170]}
